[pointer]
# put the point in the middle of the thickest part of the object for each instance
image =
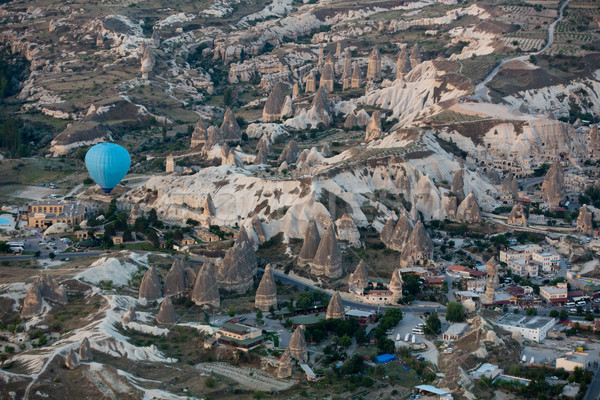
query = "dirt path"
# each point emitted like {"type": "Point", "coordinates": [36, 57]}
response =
{"type": "Point", "coordinates": [249, 377]}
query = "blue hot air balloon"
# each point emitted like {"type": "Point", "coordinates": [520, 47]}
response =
{"type": "Point", "coordinates": [107, 164]}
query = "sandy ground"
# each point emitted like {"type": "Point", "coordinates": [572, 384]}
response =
{"type": "Point", "coordinates": [490, 110]}
{"type": "Point", "coordinates": [249, 377]}
{"type": "Point", "coordinates": [36, 192]}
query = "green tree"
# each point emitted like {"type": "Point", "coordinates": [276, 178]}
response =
{"type": "Point", "coordinates": [231, 312]}
{"type": "Point", "coordinates": [152, 217]}
{"type": "Point", "coordinates": [259, 314]}
{"type": "Point", "coordinates": [455, 312]}
{"type": "Point", "coordinates": [10, 139]}
{"type": "Point", "coordinates": [52, 255]}
{"type": "Point", "coordinates": [127, 236]}
{"type": "Point", "coordinates": [4, 247]}
{"type": "Point", "coordinates": [153, 238]}
{"type": "Point", "coordinates": [531, 312]}
{"type": "Point", "coordinates": [563, 315]}
{"type": "Point", "coordinates": [554, 313]}
{"type": "Point", "coordinates": [433, 325]}
{"type": "Point", "coordinates": [345, 341]}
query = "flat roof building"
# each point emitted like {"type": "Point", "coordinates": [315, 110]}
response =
{"type": "Point", "coordinates": [534, 329]}
{"type": "Point", "coordinates": [455, 331]}
{"type": "Point", "coordinates": [572, 360]}
{"type": "Point", "coordinates": [45, 213]}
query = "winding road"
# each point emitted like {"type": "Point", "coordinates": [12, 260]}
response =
{"type": "Point", "coordinates": [481, 89]}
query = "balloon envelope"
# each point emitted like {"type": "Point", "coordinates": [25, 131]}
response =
{"type": "Point", "coordinates": [107, 164]}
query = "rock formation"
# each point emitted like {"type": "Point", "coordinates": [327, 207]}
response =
{"type": "Point", "coordinates": [169, 164]}
{"type": "Point", "coordinates": [403, 66]}
{"type": "Point", "coordinates": [359, 279]}
{"type": "Point", "coordinates": [517, 216]}
{"type": "Point", "coordinates": [326, 150]}
{"type": "Point", "coordinates": [44, 287]}
{"type": "Point", "coordinates": [468, 210]}
{"type": "Point", "coordinates": [553, 185]}
{"type": "Point", "coordinates": [329, 61]}
{"type": "Point", "coordinates": [449, 206]}
{"type": "Point", "coordinates": [176, 280]}
{"type": "Point", "coordinates": [134, 214]}
{"type": "Point", "coordinates": [229, 128]}
{"type": "Point", "coordinates": [415, 56]}
{"type": "Point", "coordinates": [584, 221]}
{"type": "Point", "coordinates": [492, 273]}
{"type": "Point", "coordinates": [274, 104]}
{"type": "Point", "coordinates": [395, 235]}
{"type": "Point", "coordinates": [266, 294]}
{"type": "Point", "coordinates": [290, 153]}
{"type": "Point", "coordinates": [285, 365]}
{"type": "Point", "coordinates": [166, 313]}
{"type": "Point", "coordinates": [206, 289]}
{"type": "Point", "coordinates": [320, 58]}
{"type": "Point", "coordinates": [396, 284]}
{"type": "Point", "coordinates": [311, 82]}
{"type": "Point", "coordinates": [295, 91]}
{"type": "Point", "coordinates": [489, 297]}
{"type": "Point", "coordinates": [351, 121]}
{"type": "Point", "coordinates": [356, 80]}
{"type": "Point", "coordinates": [85, 351]}
{"type": "Point", "coordinates": [458, 184]}
{"type": "Point", "coordinates": [347, 71]}
{"type": "Point", "coordinates": [257, 226]}
{"type": "Point", "coordinates": [261, 158]}
{"type": "Point", "coordinates": [214, 137]}
{"type": "Point", "coordinates": [209, 207]}
{"type": "Point", "coordinates": [72, 361]}
{"type": "Point", "coordinates": [297, 345]}
{"type": "Point", "coordinates": [150, 289]}
{"type": "Point", "coordinates": [335, 308]}
{"type": "Point", "coordinates": [288, 108]}
{"type": "Point", "coordinates": [419, 247]}
{"type": "Point", "coordinates": [362, 117]}
{"type": "Point", "coordinates": [326, 81]}
{"type": "Point", "coordinates": [199, 135]}
{"type": "Point", "coordinates": [237, 270]}
{"type": "Point", "coordinates": [374, 66]}
{"type": "Point", "coordinates": [229, 157]}
{"type": "Point", "coordinates": [328, 259]}
{"type": "Point", "coordinates": [265, 145]}
{"type": "Point", "coordinates": [147, 60]}
{"type": "Point", "coordinates": [338, 49]}
{"type": "Point", "coordinates": [129, 316]}
{"type": "Point", "coordinates": [374, 127]}
{"type": "Point", "coordinates": [320, 108]}
{"type": "Point", "coordinates": [511, 186]}
{"type": "Point", "coordinates": [347, 230]}
{"type": "Point", "coordinates": [311, 243]}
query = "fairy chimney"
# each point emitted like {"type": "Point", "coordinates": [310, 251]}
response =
{"type": "Point", "coordinates": [403, 66]}
{"type": "Point", "coordinates": [396, 284]}
{"type": "Point", "coordinates": [415, 56]}
{"type": "Point", "coordinates": [374, 127]}
{"type": "Point", "coordinates": [150, 289]}
{"type": "Point", "coordinates": [553, 185]}
{"type": "Point", "coordinates": [170, 164]}
{"type": "Point", "coordinates": [347, 71]}
{"type": "Point", "coordinates": [72, 360]}
{"type": "Point", "coordinates": [266, 294]}
{"type": "Point", "coordinates": [335, 308]}
{"type": "Point", "coordinates": [419, 247]}
{"type": "Point", "coordinates": [229, 128]}
{"type": "Point", "coordinates": [273, 105]}
{"type": "Point", "coordinates": [374, 66]}
{"type": "Point", "coordinates": [166, 313]}
{"type": "Point", "coordinates": [206, 289]}
{"type": "Point", "coordinates": [199, 135]}
{"type": "Point", "coordinates": [310, 244]}
{"type": "Point", "coordinates": [327, 78]}
{"type": "Point", "coordinates": [176, 280]}
{"type": "Point", "coordinates": [128, 316]}
{"type": "Point", "coordinates": [85, 350]}
{"type": "Point", "coordinates": [328, 259]}
{"type": "Point", "coordinates": [359, 279]}
{"type": "Point", "coordinates": [468, 210]}
{"type": "Point", "coordinates": [297, 345]}
{"type": "Point", "coordinates": [356, 79]}
{"type": "Point", "coordinates": [285, 365]}
{"type": "Point", "coordinates": [584, 221]}
{"type": "Point", "coordinates": [311, 82]}
{"type": "Point", "coordinates": [517, 216]}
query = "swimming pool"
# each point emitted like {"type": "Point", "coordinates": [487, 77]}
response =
{"type": "Point", "coordinates": [4, 221]}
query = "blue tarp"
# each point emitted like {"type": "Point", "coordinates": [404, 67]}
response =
{"type": "Point", "coordinates": [385, 358]}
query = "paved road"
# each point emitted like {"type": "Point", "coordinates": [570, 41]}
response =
{"type": "Point", "coordinates": [593, 392]}
{"type": "Point", "coordinates": [58, 256]}
{"type": "Point", "coordinates": [481, 89]}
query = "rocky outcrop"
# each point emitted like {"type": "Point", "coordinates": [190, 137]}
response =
{"type": "Point", "coordinates": [374, 66]}
{"type": "Point", "coordinates": [266, 294]}
{"type": "Point", "coordinates": [166, 313]}
{"type": "Point", "coordinates": [553, 185]}
{"type": "Point", "coordinates": [176, 280]}
{"type": "Point", "coordinates": [129, 316]}
{"type": "Point", "coordinates": [517, 216]}
{"type": "Point", "coordinates": [170, 164]}
{"type": "Point", "coordinates": [214, 137]}
{"type": "Point", "coordinates": [295, 91]}
{"type": "Point", "coordinates": [458, 184]}
{"type": "Point", "coordinates": [403, 66]}
{"type": "Point", "coordinates": [347, 70]}
{"type": "Point", "coordinates": [285, 365]}
{"type": "Point", "coordinates": [419, 247]}
{"type": "Point", "coordinates": [85, 351]}
{"type": "Point", "coordinates": [511, 186]}
{"type": "Point", "coordinates": [230, 129]}
{"type": "Point", "coordinates": [274, 104]}
{"type": "Point", "coordinates": [359, 279]}
{"type": "Point", "coordinates": [449, 206]}
{"type": "Point", "coordinates": [351, 121]}
{"type": "Point", "coordinates": [288, 108]}
{"type": "Point", "coordinates": [396, 285]}
{"type": "Point", "coordinates": [237, 270]}
{"type": "Point", "coordinates": [230, 157]}
{"type": "Point", "coordinates": [147, 60]}
{"type": "Point", "coordinates": [468, 210]}
{"type": "Point", "coordinates": [311, 82]}
{"type": "Point", "coordinates": [492, 273]}
{"type": "Point", "coordinates": [312, 238]}
{"type": "Point", "coordinates": [374, 127]}
{"type": "Point", "coordinates": [290, 153]}
{"type": "Point", "coordinates": [206, 289]}
{"type": "Point", "coordinates": [328, 259]}
{"type": "Point", "coordinates": [415, 56]}
{"type": "Point", "coordinates": [44, 287]}
{"type": "Point", "coordinates": [326, 81]}
{"type": "Point", "coordinates": [150, 289]}
{"type": "Point", "coordinates": [209, 207]}
{"type": "Point", "coordinates": [356, 79]}
{"type": "Point", "coordinates": [347, 230]}
{"type": "Point", "coordinates": [199, 135]}
{"type": "Point", "coordinates": [297, 345]}
{"type": "Point", "coordinates": [395, 235]}
{"type": "Point", "coordinates": [259, 231]}
{"type": "Point", "coordinates": [584, 221]}
{"type": "Point", "coordinates": [335, 308]}
{"type": "Point", "coordinates": [72, 361]}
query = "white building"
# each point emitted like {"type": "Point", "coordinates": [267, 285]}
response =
{"type": "Point", "coordinates": [523, 267]}
{"type": "Point", "coordinates": [524, 251]}
{"type": "Point", "coordinates": [572, 360]}
{"type": "Point", "coordinates": [534, 329]}
{"type": "Point", "coordinates": [455, 331]}
{"type": "Point", "coordinates": [547, 260]}
{"type": "Point", "coordinates": [555, 294]}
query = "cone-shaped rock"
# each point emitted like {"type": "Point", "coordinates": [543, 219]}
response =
{"type": "Point", "coordinates": [295, 91]}
{"type": "Point", "coordinates": [285, 365]}
{"type": "Point", "coordinates": [260, 158]}
{"type": "Point", "coordinates": [335, 308]}
{"type": "Point", "coordinates": [362, 117]}
{"type": "Point", "coordinates": [584, 220]}
{"type": "Point", "coordinates": [287, 110]}
{"type": "Point", "coordinates": [150, 289]}
{"type": "Point", "coordinates": [325, 150]}
{"type": "Point", "coordinates": [396, 236]}
{"type": "Point", "coordinates": [129, 316]}
{"type": "Point", "coordinates": [415, 56]}
{"type": "Point", "coordinates": [351, 121]}
{"type": "Point", "coordinates": [206, 289]}
{"type": "Point", "coordinates": [85, 350]}
{"type": "Point", "coordinates": [265, 144]}
{"type": "Point", "coordinates": [32, 304]}
{"type": "Point", "coordinates": [290, 153]}
{"type": "Point", "coordinates": [214, 137]}
{"type": "Point", "coordinates": [374, 66]}
{"type": "Point", "coordinates": [517, 215]}
{"type": "Point", "coordinates": [359, 279]}
{"type": "Point", "coordinates": [468, 210]}
{"type": "Point", "coordinates": [72, 361]}
{"type": "Point", "coordinates": [458, 184]}
{"type": "Point", "coordinates": [492, 272]}
{"type": "Point", "coordinates": [419, 247]}
{"type": "Point", "coordinates": [166, 313]}
{"type": "Point", "coordinates": [396, 284]}
{"type": "Point", "coordinates": [199, 136]}
{"type": "Point", "coordinates": [229, 128]}
{"type": "Point", "coordinates": [511, 186]}
{"type": "Point", "coordinates": [266, 294]}
{"type": "Point", "coordinates": [298, 345]}
{"type": "Point", "coordinates": [553, 185]}
{"type": "Point", "coordinates": [347, 71]}
{"type": "Point", "coordinates": [51, 290]}
{"type": "Point", "coordinates": [402, 64]}
{"type": "Point", "coordinates": [356, 80]}
{"type": "Point", "coordinates": [320, 107]}
{"type": "Point", "coordinates": [347, 230]}
{"type": "Point", "coordinates": [311, 82]}
{"type": "Point", "coordinates": [272, 108]}
{"type": "Point", "coordinates": [175, 281]}
{"type": "Point", "coordinates": [329, 60]}
{"type": "Point", "coordinates": [493, 176]}
{"type": "Point", "coordinates": [236, 272]}
{"type": "Point", "coordinates": [328, 259]}
{"type": "Point", "coordinates": [311, 243]}
{"type": "Point", "coordinates": [327, 78]}
{"type": "Point", "coordinates": [374, 127]}
{"type": "Point", "coordinates": [258, 229]}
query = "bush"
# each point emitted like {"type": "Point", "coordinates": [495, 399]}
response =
{"type": "Point", "coordinates": [455, 312]}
